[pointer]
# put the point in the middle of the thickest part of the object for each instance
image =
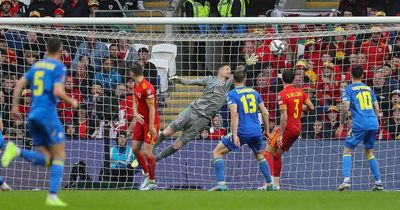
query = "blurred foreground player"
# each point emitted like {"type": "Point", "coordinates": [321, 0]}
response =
{"type": "Point", "coordinates": [364, 112]}
{"type": "Point", "coordinates": [244, 104]}
{"type": "Point", "coordinates": [290, 101]}
{"type": "Point", "coordinates": [145, 125]}
{"type": "Point", "coordinates": [3, 184]}
{"type": "Point", "coordinates": [46, 78]}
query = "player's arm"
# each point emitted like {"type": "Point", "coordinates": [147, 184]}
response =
{"type": "Point", "coordinates": [265, 117]}
{"type": "Point", "coordinates": [136, 117]}
{"type": "Point", "coordinates": [16, 97]}
{"type": "Point", "coordinates": [59, 91]}
{"type": "Point", "coordinates": [309, 106]}
{"type": "Point", "coordinates": [234, 123]}
{"type": "Point", "coordinates": [343, 113]}
{"type": "Point", "coordinates": [182, 81]}
{"type": "Point", "coordinates": [152, 113]}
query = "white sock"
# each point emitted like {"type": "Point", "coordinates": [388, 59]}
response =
{"type": "Point", "coordinates": [52, 196]}
{"type": "Point", "coordinates": [378, 182]}
{"type": "Point", "coordinates": [346, 179]}
{"type": "Point", "coordinates": [18, 151]}
{"type": "Point", "coordinates": [222, 183]}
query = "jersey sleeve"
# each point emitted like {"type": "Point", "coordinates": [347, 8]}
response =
{"type": "Point", "coordinates": [282, 102]}
{"type": "Point", "coordinates": [258, 98]}
{"type": "Point", "coordinates": [149, 92]}
{"type": "Point", "coordinates": [59, 74]}
{"type": "Point", "coordinates": [346, 95]}
{"type": "Point", "coordinates": [231, 99]}
{"type": "Point", "coordinates": [373, 96]}
{"type": "Point", "coordinates": [29, 74]}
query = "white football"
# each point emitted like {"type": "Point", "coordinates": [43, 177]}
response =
{"type": "Point", "coordinates": [277, 47]}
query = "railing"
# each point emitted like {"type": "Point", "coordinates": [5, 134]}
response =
{"type": "Point", "coordinates": [132, 13]}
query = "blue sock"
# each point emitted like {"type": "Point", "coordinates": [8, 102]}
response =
{"type": "Point", "coordinates": [56, 174]}
{"type": "Point", "coordinates": [34, 157]}
{"type": "Point", "coordinates": [219, 169]}
{"type": "Point", "coordinates": [1, 140]}
{"type": "Point", "coordinates": [264, 168]}
{"type": "Point", "coordinates": [373, 164]}
{"type": "Point", "coordinates": [346, 165]}
{"type": "Point", "coordinates": [1, 180]}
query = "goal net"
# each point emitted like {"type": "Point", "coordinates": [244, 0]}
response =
{"type": "Point", "coordinates": [99, 55]}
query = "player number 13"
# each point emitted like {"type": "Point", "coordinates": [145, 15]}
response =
{"type": "Point", "coordinates": [249, 103]}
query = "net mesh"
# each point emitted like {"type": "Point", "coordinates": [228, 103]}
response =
{"type": "Point", "coordinates": [98, 57]}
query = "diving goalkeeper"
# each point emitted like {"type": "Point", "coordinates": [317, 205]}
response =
{"type": "Point", "coordinates": [200, 112]}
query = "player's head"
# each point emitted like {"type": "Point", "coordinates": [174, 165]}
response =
{"type": "Point", "coordinates": [54, 48]}
{"type": "Point", "coordinates": [288, 76]}
{"type": "Point", "coordinates": [356, 72]}
{"type": "Point", "coordinates": [239, 77]}
{"type": "Point", "coordinates": [136, 72]}
{"type": "Point", "coordinates": [224, 71]}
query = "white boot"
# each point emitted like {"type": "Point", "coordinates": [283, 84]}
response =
{"type": "Point", "coordinates": [276, 182]}
{"type": "Point", "coordinates": [140, 5]}
{"type": "Point", "coordinates": [5, 187]}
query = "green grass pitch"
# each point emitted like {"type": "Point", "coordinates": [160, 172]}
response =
{"type": "Point", "coordinates": [202, 200]}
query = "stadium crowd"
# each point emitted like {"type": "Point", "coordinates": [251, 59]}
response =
{"type": "Point", "coordinates": [98, 79]}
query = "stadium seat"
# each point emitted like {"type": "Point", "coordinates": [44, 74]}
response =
{"type": "Point", "coordinates": [300, 50]}
{"type": "Point", "coordinates": [162, 69]}
{"type": "Point", "coordinates": [167, 52]}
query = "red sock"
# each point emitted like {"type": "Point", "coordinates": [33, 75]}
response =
{"type": "Point", "coordinates": [151, 161]}
{"type": "Point", "coordinates": [142, 162]}
{"type": "Point", "coordinates": [270, 160]}
{"type": "Point", "coordinates": [277, 165]}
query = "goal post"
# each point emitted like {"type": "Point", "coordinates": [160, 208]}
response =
{"type": "Point", "coordinates": [98, 52]}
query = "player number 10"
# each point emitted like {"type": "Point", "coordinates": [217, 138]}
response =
{"type": "Point", "coordinates": [365, 100]}
{"type": "Point", "coordinates": [249, 101]}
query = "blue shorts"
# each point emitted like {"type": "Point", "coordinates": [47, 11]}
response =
{"type": "Point", "coordinates": [46, 132]}
{"type": "Point", "coordinates": [254, 142]}
{"type": "Point", "coordinates": [355, 137]}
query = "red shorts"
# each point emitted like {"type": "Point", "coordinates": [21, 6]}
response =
{"type": "Point", "coordinates": [141, 133]}
{"type": "Point", "coordinates": [288, 138]}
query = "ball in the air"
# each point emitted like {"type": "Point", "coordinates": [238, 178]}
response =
{"type": "Point", "coordinates": [277, 47]}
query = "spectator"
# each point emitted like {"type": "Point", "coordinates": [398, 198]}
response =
{"type": "Point", "coordinates": [30, 57]}
{"type": "Point", "coordinates": [20, 128]}
{"type": "Point", "coordinates": [217, 131]}
{"type": "Point", "coordinates": [34, 14]}
{"type": "Point", "coordinates": [75, 8]}
{"type": "Point", "coordinates": [93, 6]}
{"type": "Point", "coordinates": [306, 70]}
{"type": "Point", "coordinates": [59, 13]}
{"type": "Point", "coordinates": [82, 122]}
{"type": "Point", "coordinates": [121, 156]}
{"type": "Point", "coordinates": [308, 118]}
{"type": "Point", "coordinates": [43, 7]}
{"type": "Point", "coordinates": [389, 78]}
{"type": "Point", "coordinates": [83, 78]}
{"type": "Point", "coordinates": [65, 109]}
{"type": "Point", "coordinates": [394, 100]}
{"type": "Point", "coordinates": [108, 78]}
{"type": "Point", "coordinates": [331, 126]}
{"type": "Point", "coordinates": [381, 90]}
{"type": "Point", "coordinates": [7, 85]}
{"type": "Point", "coordinates": [6, 9]}
{"type": "Point", "coordinates": [25, 106]}
{"type": "Point", "coordinates": [109, 5]}
{"type": "Point", "coordinates": [317, 132]}
{"type": "Point", "coordinates": [35, 44]}
{"type": "Point", "coordinates": [298, 81]}
{"type": "Point", "coordinates": [328, 84]}
{"type": "Point", "coordinates": [94, 49]}
{"type": "Point", "coordinates": [149, 69]}
{"type": "Point", "coordinates": [264, 83]}
{"type": "Point", "coordinates": [118, 61]}
{"type": "Point", "coordinates": [377, 52]}
{"type": "Point", "coordinates": [356, 7]}
{"type": "Point", "coordinates": [10, 53]}
{"type": "Point", "coordinates": [19, 8]}
{"type": "Point", "coordinates": [70, 131]}
{"type": "Point", "coordinates": [86, 60]}
{"type": "Point", "coordinates": [394, 122]}
{"type": "Point", "coordinates": [205, 134]}
{"type": "Point", "coordinates": [125, 107]}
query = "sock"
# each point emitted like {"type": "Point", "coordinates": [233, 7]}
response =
{"type": "Point", "coordinates": [56, 173]}
{"type": "Point", "coordinates": [373, 164]}
{"type": "Point", "coordinates": [1, 140]}
{"type": "Point", "coordinates": [277, 165]}
{"type": "Point", "coordinates": [151, 161]}
{"type": "Point", "coordinates": [268, 156]}
{"type": "Point", "coordinates": [346, 166]}
{"type": "Point", "coordinates": [264, 168]}
{"type": "Point", "coordinates": [142, 162]}
{"type": "Point", "coordinates": [34, 157]}
{"type": "Point", "coordinates": [166, 152]}
{"type": "Point", "coordinates": [1, 180]}
{"type": "Point", "coordinates": [160, 139]}
{"type": "Point", "coordinates": [219, 169]}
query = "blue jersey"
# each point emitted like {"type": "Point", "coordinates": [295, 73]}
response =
{"type": "Point", "coordinates": [247, 101]}
{"type": "Point", "coordinates": [362, 99]}
{"type": "Point", "coordinates": [42, 77]}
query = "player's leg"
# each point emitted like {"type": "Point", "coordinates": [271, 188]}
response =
{"type": "Point", "coordinates": [269, 152]}
{"type": "Point", "coordinates": [218, 160]}
{"type": "Point", "coordinates": [57, 151]}
{"type": "Point", "coordinates": [151, 161]}
{"type": "Point", "coordinates": [136, 149]}
{"type": "Point", "coordinates": [175, 126]}
{"type": "Point", "coordinates": [369, 142]}
{"type": "Point", "coordinates": [3, 185]}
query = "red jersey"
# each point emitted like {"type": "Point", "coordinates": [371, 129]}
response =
{"type": "Point", "coordinates": [292, 99]}
{"type": "Point", "coordinates": [376, 54]}
{"type": "Point", "coordinates": [125, 113]}
{"type": "Point", "coordinates": [217, 134]}
{"type": "Point", "coordinates": [144, 91]}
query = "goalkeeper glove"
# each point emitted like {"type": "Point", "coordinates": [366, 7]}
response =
{"type": "Point", "coordinates": [175, 79]}
{"type": "Point", "coordinates": [251, 60]}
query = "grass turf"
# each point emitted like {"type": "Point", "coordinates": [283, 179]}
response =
{"type": "Point", "coordinates": [193, 200]}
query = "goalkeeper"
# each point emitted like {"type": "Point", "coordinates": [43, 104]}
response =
{"type": "Point", "coordinates": [199, 113]}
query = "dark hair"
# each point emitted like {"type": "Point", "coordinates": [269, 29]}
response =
{"type": "Point", "coordinates": [288, 76]}
{"type": "Point", "coordinates": [53, 45]}
{"type": "Point", "coordinates": [143, 50]}
{"type": "Point", "coordinates": [239, 76]}
{"type": "Point", "coordinates": [357, 72]}
{"type": "Point", "coordinates": [113, 44]}
{"type": "Point", "coordinates": [121, 133]}
{"type": "Point", "coordinates": [136, 69]}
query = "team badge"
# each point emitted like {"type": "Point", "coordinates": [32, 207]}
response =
{"type": "Point", "coordinates": [139, 95]}
{"type": "Point", "coordinates": [149, 92]}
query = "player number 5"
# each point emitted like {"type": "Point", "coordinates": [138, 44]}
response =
{"type": "Point", "coordinates": [38, 83]}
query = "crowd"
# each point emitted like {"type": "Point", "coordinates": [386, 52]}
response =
{"type": "Point", "coordinates": [97, 68]}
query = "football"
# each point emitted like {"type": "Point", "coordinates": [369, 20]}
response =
{"type": "Point", "coordinates": [277, 47]}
